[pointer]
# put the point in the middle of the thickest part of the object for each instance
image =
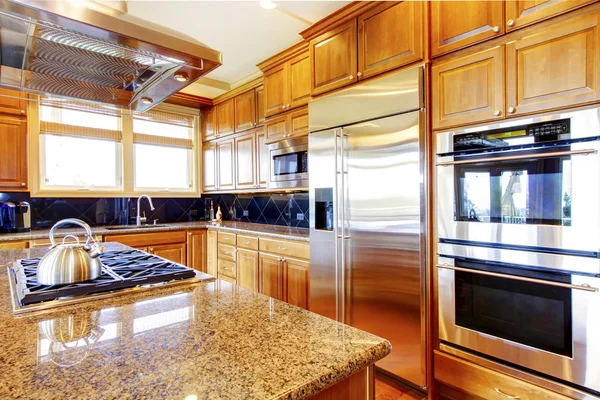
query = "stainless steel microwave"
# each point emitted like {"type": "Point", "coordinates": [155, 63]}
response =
{"type": "Point", "coordinates": [289, 164]}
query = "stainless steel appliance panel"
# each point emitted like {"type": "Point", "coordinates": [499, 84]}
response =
{"type": "Point", "coordinates": [283, 179]}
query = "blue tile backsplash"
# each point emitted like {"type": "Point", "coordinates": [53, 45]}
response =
{"type": "Point", "coordinates": [267, 208]}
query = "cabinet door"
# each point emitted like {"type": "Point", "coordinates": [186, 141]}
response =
{"type": "Point", "coordinates": [13, 154]}
{"type": "Point", "coordinates": [247, 269]}
{"type": "Point", "coordinates": [245, 161]}
{"type": "Point", "coordinates": [297, 276]}
{"type": "Point", "coordinates": [260, 105]}
{"type": "Point", "coordinates": [298, 81]}
{"type": "Point", "coordinates": [225, 118]}
{"type": "Point", "coordinates": [262, 159]}
{"type": "Point", "coordinates": [519, 13]}
{"type": "Point", "coordinates": [208, 124]}
{"type": "Point", "coordinates": [225, 161]}
{"type": "Point", "coordinates": [209, 166]}
{"type": "Point", "coordinates": [298, 123]}
{"type": "Point", "coordinates": [196, 249]}
{"type": "Point", "coordinates": [333, 58]}
{"type": "Point", "coordinates": [276, 87]}
{"type": "Point", "coordinates": [554, 67]}
{"type": "Point", "coordinates": [174, 252]}
{"type": "Point", "coordinates": [381, 48]}
{"type": "Point", "coordinates": [211, 253]}
{"type": "Point", "coordinates": [468, 90]}
{"type": "Point", "coordinates": [276, 128]}
{"type": "Point", "coordinates": [270, 276]}
{"type": "Point", "coordinates": [457, 24]}
{"type": "Point", "coordinates": [16, 104]}
{"type": "Point", "coordinates": [245, 111]}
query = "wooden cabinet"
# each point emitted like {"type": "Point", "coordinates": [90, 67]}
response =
{"type": "Point", "coordinates": [211, 253]}
{"type": "Point", "coordinates": [289, 248]}
{"type": "Point", "coordinates": [333, 58]}
{"type": "Point", "coordinates": [175, 252]}
{"type": "Point", "coordinates": [384, 43]}
{"type": "Point", "coordinates": [209, 166]}
{"type": "Point", "coordinates": [259, 93]}
{"type": "Point", "coordinates": [519, 13]}
{"type": "Point", "coordinates": [276, 90]}
{"type": "Point", "coordinates": [225, 165]}
{"type": "Point", "coordinates": [298, 123]}
{"type": "Point", "coordinates": [196, 253]}
{"type": "Point", "coordinates": [270, 276]}
{"type": "Point", "coordinates": [246, 161]}
{"type": "Point", "coordinates": [16, 104]}
{"type": "Point", "coordinates": [457, 24]}
{"type": "Point", "coordinates": [227, 268]}
{"type": "Point", "coordinates": [225, 116]}
{"type": "Point", "coordinates": [262, 160]}
{"type": "Point", "coordinates": [287, 85]}
{"type": "Point", "coordinates": [291, 124]}
{"type": "Point", "coordinates": [247, 269]}
{"type": "Point", "coordinates": [468, 90]}
{"type": "Point", "coordinates": [171, 245]}
{"type": "Point", "coordinates": [276, 128]}
{"type": "Point", "coordinates": [13, 154]}
{"type": "Point", "coordinates": [554, 67]}
{"type": "Point", "coordinates": [297, 277]}
{"type": "Point", "coordinates": [245, 111]}
{"type": "Point", "coordinates": [208, 124]}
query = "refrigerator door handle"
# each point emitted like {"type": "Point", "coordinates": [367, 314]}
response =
{"type": "Point", "coordinates": [343, 175]}
{"type": "Point", "coordinates": [336, 226]}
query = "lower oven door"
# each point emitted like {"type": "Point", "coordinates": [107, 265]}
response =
{"type": "Point", "coordinates": [544, 321]}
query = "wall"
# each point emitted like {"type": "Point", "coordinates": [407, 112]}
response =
{"type": "Point", "coordinates": [274, 209]}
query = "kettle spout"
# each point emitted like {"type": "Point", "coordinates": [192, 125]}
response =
{"type": "Point", "coordinates": [96, 250]}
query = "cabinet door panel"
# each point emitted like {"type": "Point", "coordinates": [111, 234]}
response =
{"type": "Point", "coordinates": [262, 154]}
{"type": "Point", "coordinates": [245, 111]}
{"type": "Point", "coordinates": [381, 48]}
{"type": "Point", "coordinates": [226, 179]}
{"type": "Point", "coordinates": [276, 87]}
{"type": "Point", "coordinates": [270, 272]}
{"type": "Point", "coordinates": [556, 67]}
{"type": "Point", "coordinates": [173, 252]}
{"type": "Point", "coordinates": [276, 128]}
{"type": "Point", "coordinates": [14, 105]}
{"type": "Point", "coordinates": [468, 90]}
{"type": "Point", "coordinates": [196, 250]}
{"type": "Point", "coordinates": [13, 154]}
{"type": "Point", "coordinates": [299, 81]}
{"type": "Point", "coordinates": [297, 276]}
{"type": "Point", "coordinates": [298, 122]}
{"type": "Point", "coordinates": [334, 58]}
{"type": "Point", "coordinates": [225, 118]}
{"type": "Point", "coordinates": [524, 12]}
{"type": "Point", "coordinates": [211, 253]}
{"type": "Point", "coordinates": [247, 269]}
{"type": "Point", "coordinates": [260, 105]}
{"type": "Point", "coordinates": [245, 161]}
{"type": "Point", "coordinates": [209, 167]}
{"type": "Point", "coordinates": [208, 124]}
{"type": "Point", "coordinates": [457, 24]}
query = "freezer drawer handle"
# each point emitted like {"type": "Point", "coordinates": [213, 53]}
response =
{"type": "Point", "coordinates": [345, 237]}
{"type": "Point", "coordinates": [584, 286]}
{"type": "Point", "coordinates": [519, 157]}
{"type": "Point", "coordinates": [508, 396]}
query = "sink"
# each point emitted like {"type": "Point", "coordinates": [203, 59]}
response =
{"type": "Point", "coordinates": [133, 227]}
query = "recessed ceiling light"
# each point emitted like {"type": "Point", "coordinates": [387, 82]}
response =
{"type": "Point", "coordinates": [146, 100]}
{"type": "Point", "coordinates": [180, 77]}
{"type": "Point", "coordinates": [267, 4]}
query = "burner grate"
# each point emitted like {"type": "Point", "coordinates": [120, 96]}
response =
{"type": "Point", "coordinates": [120, 270]}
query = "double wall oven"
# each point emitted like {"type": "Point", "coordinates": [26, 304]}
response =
{"type": "Point", "coordinates": [518, 206]}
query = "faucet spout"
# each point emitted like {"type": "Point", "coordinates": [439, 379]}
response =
{"type": "Point", "coordinates": [139, 219]}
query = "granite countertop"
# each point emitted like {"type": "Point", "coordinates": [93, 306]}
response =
{"type": "Point", "coordinates": [212, 340]}
{"type": "Point", "coordinates": [278, 232]}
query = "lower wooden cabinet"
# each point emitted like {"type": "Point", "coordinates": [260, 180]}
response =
{"type": "Point", "coordinates": [196, 253]}
{"type": "Point", "coordinates": [169, 245]}
{"type": "Point", "coordinates": [211, 253]}
{"type": "Point", "coordinates": [174, 252]}
{"type": "Point", "coordinates": [270, 276]}
{"type": "Point", "coordinates": [247, 269]}
{"type": "Point", "coordinates": [297, 276]}
{"type": "Point", "coordinates": [13, 154]}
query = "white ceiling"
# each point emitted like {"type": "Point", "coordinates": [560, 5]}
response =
{"type": "Point", "coordinates": [244, 32]}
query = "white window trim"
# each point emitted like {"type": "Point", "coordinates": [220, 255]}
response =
{"type": "Point", "coordinates": [126, 160]}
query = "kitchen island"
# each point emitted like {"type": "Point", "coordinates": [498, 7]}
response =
{"type": "Point", "coordinates": [204, 340]}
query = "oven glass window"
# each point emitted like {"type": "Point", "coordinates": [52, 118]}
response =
{"type": "Point", "coordinates": [532, 314]}
{"type": "Point", "coordinates": [536, 191]}
{"type": "Point", "coordinates": [289, 164]}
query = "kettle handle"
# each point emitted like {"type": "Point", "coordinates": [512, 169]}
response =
{"type": "Point", "coordinates": [74, 221]}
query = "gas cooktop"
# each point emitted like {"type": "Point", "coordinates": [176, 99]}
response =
{"type": "Point", "coordinates": [123, 271]}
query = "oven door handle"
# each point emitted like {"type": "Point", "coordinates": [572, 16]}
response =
{"type": "Point", "coordinates": [584, 287]}
{"type": "Point", "coordinates": [583, 152]}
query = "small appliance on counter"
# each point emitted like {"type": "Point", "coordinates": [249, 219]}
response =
{"type": "Point", "coordinates": [15, 217]}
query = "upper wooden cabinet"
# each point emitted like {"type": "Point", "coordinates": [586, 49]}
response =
{"type": "Point", "coordinates": [291, 124]}
{"type": "Point", "coordinates": [334, 60]}
{"type": "Point", "coordinates": [263, 160]}
{"type": "Point", "coordinates": [519, 13]}
{"type": "Point", "coordinates": [245, 161]}
{"type": "Point", "coordinates": [260, 105]}
{"type": "Point", "coordinates": [13, 154]}
{"type": "Point", "coordinates": [276, 90]}
{"type": "Point", "coordinates": [457, 24]}
{"type": "Point", "coordinates": [208, 124]}
{"type": "Point", "coordinates": [226, 165]}
{"type": "Point", "coordinates": [16, 104]}
{"type": "Point", "coordinates": [468, 90]}
{"type": "Point", "coordinates": [225, 118]}
{"type": "Point", "coordinates": [385, 43]}
{"type": "Point", "coordinates": [209, 166]}
{"type": "Point", "coordinates": [298, 81]}
{"type": "Point", "coordinates": [245, 111]}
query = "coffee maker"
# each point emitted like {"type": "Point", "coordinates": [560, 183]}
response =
{"type": "Point", "coordinates": [15, 217]}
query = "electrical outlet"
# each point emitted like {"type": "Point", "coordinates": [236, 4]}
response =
{"type": "Point", "coordinates": [245, 213]}
{"type": "Point", "coordinates": [300, 217]}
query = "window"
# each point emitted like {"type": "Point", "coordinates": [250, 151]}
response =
{"type": "Point", "coordinates": [163, 151]}
{"type": "Point", "coordinates": [80, 146]}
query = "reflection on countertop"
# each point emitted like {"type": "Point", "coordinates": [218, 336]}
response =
{"type": "Point", "coordinates": [278, 232]}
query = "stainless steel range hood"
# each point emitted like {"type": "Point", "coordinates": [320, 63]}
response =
{"type": "Point", "coordinates": [91, 52]}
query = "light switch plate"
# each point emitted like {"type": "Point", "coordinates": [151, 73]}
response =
{"type": "Point", "coordinates": [300, 217]}
{"type": "Point", "coordinates": [245, 213]}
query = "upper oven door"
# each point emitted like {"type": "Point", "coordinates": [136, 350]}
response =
{"type": "Point", "coordinates": [538, 195]}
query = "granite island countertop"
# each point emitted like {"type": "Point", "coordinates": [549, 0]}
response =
{"type": "Point", "coordinates": [212, 340]}
{"type": "Point", "coordinates": [274, 231]}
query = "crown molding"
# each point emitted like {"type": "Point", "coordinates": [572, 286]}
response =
{"type": "Point", "coordinates": [340, 16]}
{"type": "Point", "coordinates": [283, 56]}
{"type": "Point", "coordinates": [189, 100]}
{"type": "Point", "coordinates": [257, 82]}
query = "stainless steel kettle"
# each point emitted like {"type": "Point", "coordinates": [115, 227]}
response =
{"type": "Point", "coordinates": [70, 262]}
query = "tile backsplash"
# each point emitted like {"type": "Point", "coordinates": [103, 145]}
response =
{"type": "Point", "coordinates": [267, 208]}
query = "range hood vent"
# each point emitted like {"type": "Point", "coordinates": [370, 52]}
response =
{"type": "Point", "coordinates": [90, 52]}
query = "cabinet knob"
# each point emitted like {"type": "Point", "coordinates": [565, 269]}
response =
{"type": "Point", "coordinates": [351, 77]}
{"type": "Point", "coordinates": [511, 109]}
{"type": "Point", "coordinates": [288, 106]}
{"type": "Point", "coordinates": [510, 22]}
{"type": "Point", "coordinates": [189, 233]}
{"type": "Point", "coordinates": [496, 112]}
{"type": "Point", "coordinates": [23, 184]}
{"type": "Point", "coordinates": [151, 249]}
{"type": "Point", "coordinates": [22, 111]}
{"type": "Point", "coordinates": [359, 74]}
{"type": "Point", "coordinates": [496, 29]}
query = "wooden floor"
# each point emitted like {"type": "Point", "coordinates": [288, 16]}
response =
{"type": "Point", "coordinates": [388, 389]}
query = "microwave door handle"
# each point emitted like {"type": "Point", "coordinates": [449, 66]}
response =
{"type": "Point", "coordinates": [583, 152]}
{"type": "Point", "coordinates": [584, 287]}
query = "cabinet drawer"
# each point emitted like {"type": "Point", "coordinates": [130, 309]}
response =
{"type": "Point", "coordinates": [15, 245]}
{"type": "Point", "coordinates": [247, 242]}
{"type": "Point", "coordinates": [227, 238]}
{"type": "Point", "coordinates": [148, 239]}
{"type": "Point", "coordinates": [285, 248]}
{"type": "Point", "coordinates": [228, 279]}
{"type": "Point", "coordinates": [227, 268]}
{"type": "Point", "coordinates": [485, 383]}
{"type": "Point", "coordinates": [226, 252]}
{"type": "Point", "coordinates": [39, 243]}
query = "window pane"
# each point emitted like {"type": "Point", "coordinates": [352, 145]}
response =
{"type": "Point", "coordinates": [70, 161]}
{"type": "Point", "coordinates": [80, 118]}
{"type": "Point", "coordinates": [161, 129]}
{"type": "Point", "coordinates": [162, 167]}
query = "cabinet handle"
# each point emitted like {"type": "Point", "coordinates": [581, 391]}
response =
{"type": "Point", "coordinates": [246, 242]}
{"type": "Point", "coordinates": [508, 396]}
{"type": "Point", "coordinates": [496, 112]}
{"type": "Point", "coordinates": [283, 248]}
{"type": "Point", "coordinates": [359, 74]}
{"type": "Point", "coordinates": [510, 22]}
{"type": "Point", "coordinates": [351, 77]}
{"type": "Point", "coordinates": [151, 249]}
{"type": "Point", "coordinates": [23, 184]}
{"type": "Point", "coordinates": [511, 110]}
{"type": "Point", "coordinates": [496, 29]}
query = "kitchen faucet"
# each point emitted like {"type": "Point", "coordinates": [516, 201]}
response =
{"type": "Point", "coordinates": [138, 219]}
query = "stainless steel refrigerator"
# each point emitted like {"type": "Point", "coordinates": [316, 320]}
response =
{"type": "Point", "coordinates": [367, 183]}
